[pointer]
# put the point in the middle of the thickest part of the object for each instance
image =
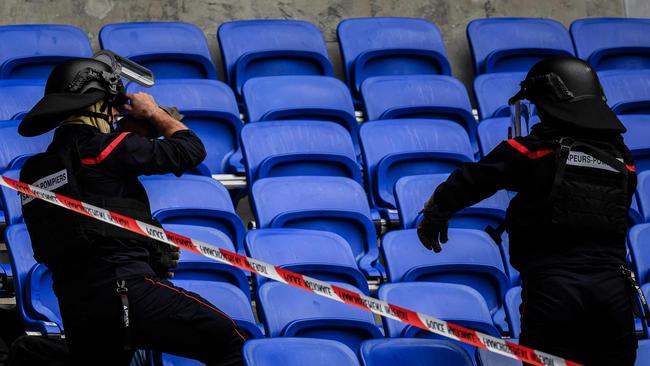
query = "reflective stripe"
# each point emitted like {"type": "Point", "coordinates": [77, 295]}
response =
{"type": "Point", "coordinates": [529, 154]}
{"type": "Point", "coordinates": [106, 152]}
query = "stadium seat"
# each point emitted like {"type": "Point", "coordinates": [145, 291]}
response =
{"type": "Point", "coordinates": [196, 267]}
{"type": "Point", "coordinates": [493, 91]}
{"type": "Point", "coordinates": [254, 48]}
{"type": "Point", "coordinates": [301, 97]}
{"type": "Point", "coordinates": [643, 194]}
{"type": "Point", "coordinates": [635, 216]}
{"type": "Point", "coordinates": [612, 43]}
{"type": "Point", "coordinates": [30, 51]}
{"type": "Point", "coordinates": [412, 192]}
{"type": "Point", "coordinates": [470, 258]}
{"type": "Point", "coordinates": [288, 311]}
{"type": "Point", "coordinates": [22, 264]}
{"type": "Point", "coordinates": [196, 201]}
{"type": "Point", "coordinates": [11, 202]}
{"type": "Point", "coordinates": [627, 91]}
{"type": "Point", "coordinates": [458, 304]}
{"type": "Point", "coordinates": [513, 274]}
{"type": "Point", "coordinates": [19, 96]}
{"type": "Point", "coordinates": [333, 204]}
{"type": "Point", "coordinates": [318, 254]}
{"type": "Point", "coordinates": [422, 96]}
{"type": "Point", "coordinates": [643, 353]}
{"type": "Point", "coordinates": [493, 131]}
{"type": "Point", "coordinates": [210, 110]}
{"type": "Point", "coordinates": [637, 139]}
{"type": "Point", "coordinates": [169, 49]}
{"type": "Point", "coordinates": [515, 44]}
{"type": "Point", "coordinates": [412, 352]}
{"type": "Point", "coordinates": [390, 46]}
{"type": "Point", "coordinates": [297, 352]}
{"type": "Point", "coordinates": [290, 148]}
{"type": "Point", "coordinates": [639, 246]}
{"type": "Point", "coordinates": [511, 303]}
{"type": "Point", "coordinates": [13, 145]}
{"type": "Point", "coordinates": [40, 297]}
{"type": "Point", "coordinates": [401, 147]}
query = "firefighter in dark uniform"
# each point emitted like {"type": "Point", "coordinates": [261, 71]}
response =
{"type": "Point", "coordinates": [111, 285]}
{"type": "Point", "coordinates": [574, 179]}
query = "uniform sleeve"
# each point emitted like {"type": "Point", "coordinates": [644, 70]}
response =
{"type": "Point", "coordinates": [503, 168]}
{"type": "Point", "coordinates": [178, 153]}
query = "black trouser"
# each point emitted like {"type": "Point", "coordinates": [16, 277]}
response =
{"type": "Point", "coordinates": [585, 316]}
{"type": "Point", "coordinates": [163, 318]}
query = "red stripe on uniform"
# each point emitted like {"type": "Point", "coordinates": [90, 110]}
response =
{"type": "Point", "coordinates": [529, 154]}
{"type": "Point", "coordinates": [106, 152]}
{"type": "Point", "coordinates": [631, 168]}
{"type": "Point", "coordinates": [198, 301]}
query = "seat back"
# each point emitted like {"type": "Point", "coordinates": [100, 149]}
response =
{"type": "Point", "coordinates": [194, 200]}
{"type": "Point", "coordinates": [396, 148]}
{"type": "Point", "coordinates": [30, 51]}
{"type": "Point", "coordinates": [627, 91]}
{"type": "Point", "coordinates": [292, 312]}
{"type": "Point", "coordinates": [210, 110]}
{"type": "Point", "coordinates": [317, 254]}
{"type": "Point", "coordinates": [19, 96]}
{"type": "Point", "coordinates": [643, 194]}
{"type": "Point", "coordinates": [412, 351]}
{"type": "Point", "coordinates": [297, 352]}
{"type": "Point", "coordinates": [493, 131]}
{"type": "Point", "coordinates": [412, 192]}
{"type": "Point", "coordinates": [640, 251]}
{"type": "Point", "coordinates": [637, 139]}
{"type": "Point", "coordinates": [41, 300]}
{"type": "Point", "coordinates": [11, 202]}
{"type": "Point", "coordinates": [470, 258]}
{"type": "Point", "coordinates": [423, 96]}
{"type": "Point", "coordinates": [390, 46]}
{"type": "Point", "coordinates": [643, 353]}
{"type": "Point", "coordinates": [493, 91]}
{"type": "Point", "coordinates": [511, 304]}
{"type": "Point", "coordinates": [169, 49]}
{"type": "Point", "coordinates": [254, 48]}
{"type": "Point", "coordinates": [612, 43]}
{"type": "Point", "coordinates": [290, 148]}
{"type": "Point", "coordinates": [515, 44]}
{"type": "Point", "coordinates": [333, 204]}
{"type": "Point", "coordinates": [13, 145]}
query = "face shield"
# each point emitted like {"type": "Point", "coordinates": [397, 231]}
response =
{"type": "Point", "coordinates": [126, 69]}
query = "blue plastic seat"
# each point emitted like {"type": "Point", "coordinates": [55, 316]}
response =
{"type": "Point", "coordinates": [493, 91]}
{"type": "Point", "coordinates": [297, 352]}
{"type": "Point", "coordinates": [640, 251]}
{"type": "Point", "coordinates": [390, 46]}
{"type": "Point", "coordinates": [643, 194]}
{"type": "Point", "coordinates": [254, 48]}
{"type": "Point", "coordinates": [643, 353]}
{"type": "Point", "coordinates": [515, 44]}
{"type": "Point", "coordinates": [493, 131]}
{"type": "Point", "coordinates": [412, 352]}
{"type": "Point", "coordinates": [196, 267]}
{"type": "Point", "coordinates": [197, 201]}
{"type": "Point", "coordinates": [422, 96]}
{"type": "Point", "coordinates": [169, 49]}
{"type": "Point", "coordinates": [30, 51]}
{"type": "Point", "coordinates": [19, 96]}
{"type": "Point", "coordinates": [301, 97]}
{"type": "Point", "coordinates": [612, 43]}
{"type": "Point", "coordinates": [13, 145]}
{"type": "Point", "coordinates": [318, 254]}
{"type": "Point", "coordinates": [25, 271]}
{"type": "Point", "coordinates": [470, 258]}
{"type": "Point", "coordinates": [288, 311]}
{"type": "Point", "coordinates": [11, 203]}
{"type": "Point", "coordinates": [627, 91]}
{"type": "Point", "coordinates": [412, 192]}
{"type": "Point", "coordinates": [635, 216]}
{"type": "Point", "coordinates": [210, 110]}
{"type": "Point", "coordinates": [333, 204]}
{"type": "Point", "coordinates": [511, 303]}
{"type": "Point", "coordinates": [396, 148]}
{"type": "Point", "coordinates": [290, 148]}
{"type": "Point", "coordinates": [637, 138]}
{"type": "Point", "coordinates": [455, 303]}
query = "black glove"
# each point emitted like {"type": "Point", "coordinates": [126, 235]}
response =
{"type": "Point", "coordinates": [164, 258]}
{"type": "Point", "coordinates": [432, 230]}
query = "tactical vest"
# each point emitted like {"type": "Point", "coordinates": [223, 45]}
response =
{"type": "Point", "coordinates": [590, 189]}
{"type": "Point", "coordinates": [59, 235]}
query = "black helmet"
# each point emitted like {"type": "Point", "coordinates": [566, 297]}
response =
{"type": "Point", "coordinates": [566, 90]}
{"type": "Point", "coordinates": [72, 86]}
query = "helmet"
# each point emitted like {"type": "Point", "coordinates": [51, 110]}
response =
{"type": "Point", "coordinates": [72, 86]}
{"type": "Point", "coordinates": [566, 90]}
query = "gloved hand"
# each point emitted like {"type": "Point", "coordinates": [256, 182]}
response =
{"type": "Point", "coordinates": [432, 230]}
{"type": "Point", "coordinates": [164, 258]}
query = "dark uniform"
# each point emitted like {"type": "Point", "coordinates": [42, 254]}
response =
{"type": "Point", "coordinates": [91, 262]}
{"type": "Point", "coordinates": [567, 231]}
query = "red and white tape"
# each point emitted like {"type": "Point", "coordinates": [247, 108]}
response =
{"type": "Point", "coordinates": [423, 321]}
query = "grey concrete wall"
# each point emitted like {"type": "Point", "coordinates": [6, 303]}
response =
{"type": "Point", "coordinates": [451, 16]}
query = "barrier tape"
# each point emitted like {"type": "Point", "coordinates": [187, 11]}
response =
{"type": "Point", "coordinates": [422, 321]}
